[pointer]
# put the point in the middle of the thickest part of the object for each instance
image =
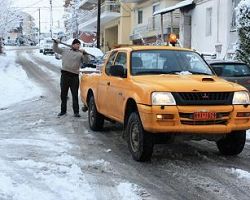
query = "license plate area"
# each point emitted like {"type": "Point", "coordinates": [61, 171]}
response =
{"type": "Point", "coordinates": [202, 116]}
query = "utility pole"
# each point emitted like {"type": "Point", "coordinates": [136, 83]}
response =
{"type": "Point", "coordinates": [51, 19]}
{"type": "Point", "coordinates": [76, 19]}
{"type": "Point", "coordinates": [98, 23]}
{"type": "Point", "coordinates": [39, 19]}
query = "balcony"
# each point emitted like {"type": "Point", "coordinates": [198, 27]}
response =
{"type": "Point", "coordinates": [109, 11]}
{"type": "Point", "coordinates": [87, 4]}
{"type": "Point", "coordinates": [153, 26]}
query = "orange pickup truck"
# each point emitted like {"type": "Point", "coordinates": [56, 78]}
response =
{"type": "Point", "coordinates": [159, 91]}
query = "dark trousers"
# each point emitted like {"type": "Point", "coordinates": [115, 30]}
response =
{"type": "Point", "coordinates": [69, 80]}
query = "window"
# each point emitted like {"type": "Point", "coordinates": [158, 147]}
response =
{"type": "Point", "coordinates": [121, 59]}
{"type": "Point", "coordinates": [208, 21]}
{"type": "Point", "coordinates": [140, 15]}
{"type": "Point", "coordinates": [110, 62]}
{"type": "Point", "coordinates": [234, 5]}
{"type": "Point", "coordinates": [156, 7]}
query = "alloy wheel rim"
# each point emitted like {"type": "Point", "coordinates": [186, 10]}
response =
{"type": "Point", "coordinates": [134, 134]}
{"type": "Point", "coordinates": [91, 113]}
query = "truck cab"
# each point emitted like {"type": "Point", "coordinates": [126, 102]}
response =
{"type": "Point", "coordinates": [159, 91]}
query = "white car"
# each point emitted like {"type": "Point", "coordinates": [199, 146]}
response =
{"type": "Point", "coordinates": [47, 46]}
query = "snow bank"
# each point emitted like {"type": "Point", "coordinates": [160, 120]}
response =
{"type": "Point", "coordinates": [15, 85]}
{"type": "Point", "coordinates": [240, 173]}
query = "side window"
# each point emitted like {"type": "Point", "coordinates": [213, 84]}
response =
{"type": "Point", "coordinates": [110, 62]}
{"type": "Point", "coordinates": [121, 59]}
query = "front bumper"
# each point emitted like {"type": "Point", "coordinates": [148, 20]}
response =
{"type": "Point", "coordinates": [183, 123]}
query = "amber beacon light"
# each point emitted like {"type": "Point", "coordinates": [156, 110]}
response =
{"type": "Point", "coordinates": [172, 39]}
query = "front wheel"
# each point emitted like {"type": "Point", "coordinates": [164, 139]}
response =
{"type": "Point", "coordinates": [96, 120]}
{"type": "Point", "coordinates": [140, 143]}
{"type": "Point", "coordinates": [233, 143]}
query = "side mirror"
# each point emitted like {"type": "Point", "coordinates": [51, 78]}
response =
{"type": "Point", "coordinates": [117, 70]}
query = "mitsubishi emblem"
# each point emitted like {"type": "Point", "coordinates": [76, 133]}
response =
{"type": "Point", "coordinates": [205, 96]}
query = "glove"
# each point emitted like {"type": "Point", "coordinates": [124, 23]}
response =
{"type": "Point", "coordinates": [56, 41]}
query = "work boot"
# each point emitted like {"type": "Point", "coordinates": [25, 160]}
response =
{"type": "Point", "coordinates": [61, 114]}
{"type": "Point", "coordinates": [77, 115]}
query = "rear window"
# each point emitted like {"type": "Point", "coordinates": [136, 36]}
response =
{"type": "Point", "coordinates": [231, 69]}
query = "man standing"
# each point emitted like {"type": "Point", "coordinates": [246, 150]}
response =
{"type": "Point", "coordinates": [71, 62]}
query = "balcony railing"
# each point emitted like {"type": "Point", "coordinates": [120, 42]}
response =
{"type": "Point", "coordinates": [154, 24]}
{"type": "Point", "coordinates": [106, 7]}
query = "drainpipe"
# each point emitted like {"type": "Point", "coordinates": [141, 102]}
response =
{"type": "Point", "coordinates": [162, 28]}
{"type": "Point", "coordinates": [171, 22]}
{"type": "Point", "coordinates": [218, 20]}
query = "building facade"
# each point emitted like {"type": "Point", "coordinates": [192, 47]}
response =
{"type": "Point", "coordinates": [146, 28]}
{"type": "Point", "coordinates": [212, 27]}
{"type": "Point", "coordinates": [115, 21]}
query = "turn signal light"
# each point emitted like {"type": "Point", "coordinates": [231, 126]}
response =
{"type": "Point", "coordinates": [164, 116]}
{"type": "Point", "coordinates": [243, 114]}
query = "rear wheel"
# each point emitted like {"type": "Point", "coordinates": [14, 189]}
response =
{"type": "Point", "coordinates": [96, 120]}
{"type": "Point", "coordinates": [233, 143]}
{"type": "Point", "coordinates": [140, 143]}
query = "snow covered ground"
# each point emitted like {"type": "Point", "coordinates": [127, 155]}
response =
{"type": "Point", "coordinates": [59, 174]}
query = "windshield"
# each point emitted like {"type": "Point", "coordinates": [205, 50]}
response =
{"type": "Point", "coordinates": [168, 62]}
{"type": "Point", "coordinates": [231, 69]}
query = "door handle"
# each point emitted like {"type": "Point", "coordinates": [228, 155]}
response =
{"type": "Point", "coordinates": [108, 83]}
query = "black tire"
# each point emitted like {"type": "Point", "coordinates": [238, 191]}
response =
{"type": "Point", "coordinates": [140, 143]}
{"type": "Point", "coordinates": [232, 144]}
{"type": "Point", "coordinates": [96, 120]}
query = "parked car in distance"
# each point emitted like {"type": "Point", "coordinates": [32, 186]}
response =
{"type": "Point", "coordinates": [96, 57]}
{"type": "Point", "coordinates": [47, 46]}
{"type": "Point", "coordinates": [234, 71]}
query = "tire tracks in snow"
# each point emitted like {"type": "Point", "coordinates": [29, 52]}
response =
{"type": "Point", "coordinates": [36, 73]}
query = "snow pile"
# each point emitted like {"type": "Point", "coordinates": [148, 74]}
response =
{"type": "Point", "coordinates": [137, 193]}
{"type": "Point", "coordinates": [240, 173]}
{"type": "Point", "coordinates": [15, 85]}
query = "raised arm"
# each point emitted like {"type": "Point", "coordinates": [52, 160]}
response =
{"type": "Point", "coordinates": [56, 48]}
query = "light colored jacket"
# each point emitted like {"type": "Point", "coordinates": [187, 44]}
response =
{"type": "Point", "coordinates": [71, 60]}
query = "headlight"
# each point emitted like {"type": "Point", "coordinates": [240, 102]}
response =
{"type": "Point", "coordinates": [241, 97]}
{"type": "Point", "coordinates": [162, 99]}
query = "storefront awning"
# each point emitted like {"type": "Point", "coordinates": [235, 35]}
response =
{"type": "Point", "coordinates": [176, 6]}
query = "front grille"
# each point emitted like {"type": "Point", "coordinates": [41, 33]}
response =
{"type": "Point", "coordinates": [214, 122]}
{"type": "Point", "coordinates": [188, 119]}
{"type": "Point", "coordinates": [203, 98]}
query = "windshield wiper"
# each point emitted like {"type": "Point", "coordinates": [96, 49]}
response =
{"type": "Point", "coordinates": [202, 73]}
{"type": "Point", "coordinates": [149, 72]}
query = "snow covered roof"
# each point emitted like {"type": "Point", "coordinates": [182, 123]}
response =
{"type": "Point", "coordinates": [176, 6]}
